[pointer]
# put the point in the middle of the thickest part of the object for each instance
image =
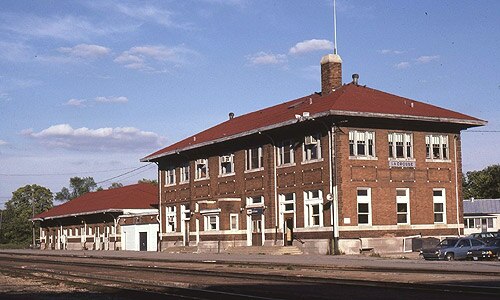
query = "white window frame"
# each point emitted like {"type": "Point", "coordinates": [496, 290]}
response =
{"type": "Point", "coordinates": [170, 219]}
{"type": "Point", "coordinates": [362, 137]}
{"type": "Point", "coordinates": [184, 173]}
{"type": "Point", "coordinates": [248, 159]}
{"type": "Point", "coordinates": [439, 200]}
{"type": "Point", "coordinates": [252, 203]}
{"type": "Point", "coordinates": [364, 199]}
{"type": "Point", "coordinates": [198, 170]}
{"type": "Point", "coordinates": [170, 176]}
{"type": "Point", "coordinates": [406, 142]}
{"type": "Point", "coordinates": [310, 201]}
{"type": "Point", "coordinates": [312, 143]}
{"type": "Point", "coordinates": [442, 140]}
{"type": "Point", "coordinates": [283, 202]}
{"type": "Point", "coordinates": [403, 200]}
{"type": "Point", "coordinates": [206, 221]}
{"type": "Point", "coordinates": [237, 224]}
{"type": "Point", "coordinates": [225, 160]}
{"type": "Point", "coordinates": [281, 153]}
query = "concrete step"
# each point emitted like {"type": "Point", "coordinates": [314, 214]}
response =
{"type": "Point", "coordinates": [265, 250]}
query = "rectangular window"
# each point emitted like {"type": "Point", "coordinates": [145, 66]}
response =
{"type": "Point", "coordinates": [233, 221]}
{"type": "Point", "coordinates": [201, 168]}
{"type": "Point", "coordinates": [400, 145]}
{"type": "Point", "coordinates": [403, 206]}
{"type": "Point", "coordinates": [253, 159]}
{"type": "Point", "coordinates": [361, 144]}
{"type": "Point", "coordinates": [184, 173]}
{"type": "Point", "coordinates": [171, 218]}
{"type": "Point", "coordinates": [255, 200]}
{"type": "Point", "coordinates": [312, 147]}
{"type": "Point", "coordinates": [170, 176]}
{"type": "Point", "coordinates": [211, 222]}
{"type": "Point", "coordinates": [313, 208]}
{"type": "Point", "coordinates": [285, 153]}
{"type": "Point", "coordinates": [439, 200]}
{"type": "Point", "coordinates": [436, 147]}
{"type": "Point", "coordinates": [226, 164]}
{"type": "Point", "coordinates": [364, 206]}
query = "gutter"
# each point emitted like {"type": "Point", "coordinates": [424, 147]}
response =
{"type": "Point", "coordinates": [78, 214]}
{"type": "Point", "coordinates": [319, 115]}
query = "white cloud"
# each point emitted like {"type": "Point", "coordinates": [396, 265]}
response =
{"type": "Point", "coordinates": [389, 51]}
{"type": "Point", "coordinates": [147, 58]}
{"type": "Point", "coordinates": [76, 102]}
{"type": "Point", "coordinates": [311, 45]}
{"type": "Point", "coordinates": [112, 99]}
{"type": "Point", "coordinates": [263, 58]}
{"type": "Point", "coordinates": [118, 139]}
{"type": "Point", "coordinates": [424, 59]}
{"type": "Point", "coordinates": [15, 52]}
{"type": "Point", "coordinates": [2, 143]}
{"type": "Point", "coordinates": [86, 51]}
{"type": "Point", "coordinates": [402, 65]}
{"type": "Point", "coordinates": [59, 27]}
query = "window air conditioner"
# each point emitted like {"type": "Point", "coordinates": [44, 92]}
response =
{"type": "Point", "coordinates": [310, 140]}
{"type": "Point", "coordinates": [226, 159]}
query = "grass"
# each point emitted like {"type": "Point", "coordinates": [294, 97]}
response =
{"type": "Point", "coordinates": [13, 246]}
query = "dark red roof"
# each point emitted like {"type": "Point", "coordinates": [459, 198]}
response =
{"type": "Point", "coordinates": [349, 100]}
{"type": "Point", "coordinates": [136, 196]}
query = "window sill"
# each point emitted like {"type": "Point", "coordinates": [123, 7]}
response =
{"type": "Point", "coordinates": [438, 160]}
{"type": "Point", "coordinates": [286, 165]}
{"type": "Point", "coordinates": [169, 185]}
{"type": "Point", "coordinates": [184, 182]}
{"type": "Point", "coordinates": [201, 179]}
{"type": "Point", "coordinates": [363, 157]}
{"type": "Point", "coordinates": [254, 170]}
{"type": "Point", "coordinates": [401, 159]}
{"type": "Point", "coordinates": [311, 161]}
{"type": "Point", "coordinates": [227, 175]}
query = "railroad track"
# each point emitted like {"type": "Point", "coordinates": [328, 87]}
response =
{"type": "Point", "coordinates": [202, 281]}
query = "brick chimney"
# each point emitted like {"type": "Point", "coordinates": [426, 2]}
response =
{"type": "Point", "coordinates": [331, 73]}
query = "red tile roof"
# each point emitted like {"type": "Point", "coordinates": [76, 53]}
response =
{"type": "Point", "coordinates": [349, 100]}
{"type": "Point", "coordinates": [136, 196]}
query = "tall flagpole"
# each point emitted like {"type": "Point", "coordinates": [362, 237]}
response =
{"type": "Point", "coordinates": [334, 28]}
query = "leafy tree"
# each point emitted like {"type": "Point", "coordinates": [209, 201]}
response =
{"type": "Point", "coordinates": [26, 202]}
{"type": "Point", "coordinates": [115, 185]}
{"type": "Point", "coordinates": [151, 181]}
{"type": "Point", "coordinates": [77, 187]}
{"type": "Point", "coordinates": [484, 184]}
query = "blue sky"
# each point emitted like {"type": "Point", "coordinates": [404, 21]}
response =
{"type": "Point", "coordinates": [87, 88]}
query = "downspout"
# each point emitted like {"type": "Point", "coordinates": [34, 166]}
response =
{"type": "Point", "coordinates": [335, 199]}
{"type": "Point", "coordinates": [159, 208]}
{"type": "Point", "coordinates": [456, 183]}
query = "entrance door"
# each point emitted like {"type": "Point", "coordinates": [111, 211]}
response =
{"type": "Point", "coordinates": [143, 241]}
{"type": "Point", "coordinates": [289, 232]}
{"type": "Point", "coordinates": [257, 230]}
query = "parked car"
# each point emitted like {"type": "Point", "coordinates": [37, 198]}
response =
{"type": "Point", "coordinates": [490, 251]}
{"type": "Point", "coordinates": [485, 236]}
{"type": "Point", "coordinates": [452, 249]}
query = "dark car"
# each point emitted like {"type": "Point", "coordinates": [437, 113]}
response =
{"type": "Point", "coordinates": [452, 249]}
{"type": "Point", "coordinates": [485, 236]}
{"type": "Point", "coordinates": [490, 251]}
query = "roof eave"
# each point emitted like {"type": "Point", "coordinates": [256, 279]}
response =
{"type": "Point", "coordinates": [79, 214]}
{"type": "Point", "coordinates": [318, 115]}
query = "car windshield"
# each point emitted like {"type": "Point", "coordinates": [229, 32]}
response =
{"type": "Point", "coordinates": [447, 242]}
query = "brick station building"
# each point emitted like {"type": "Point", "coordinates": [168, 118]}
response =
{"type": "Point", "coordinates": [341, 170]}
{"type": "Point", "coordinates": [122, 218]}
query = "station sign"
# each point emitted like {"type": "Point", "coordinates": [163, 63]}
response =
{"type": "Point", "coordinates": [402, 164]}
